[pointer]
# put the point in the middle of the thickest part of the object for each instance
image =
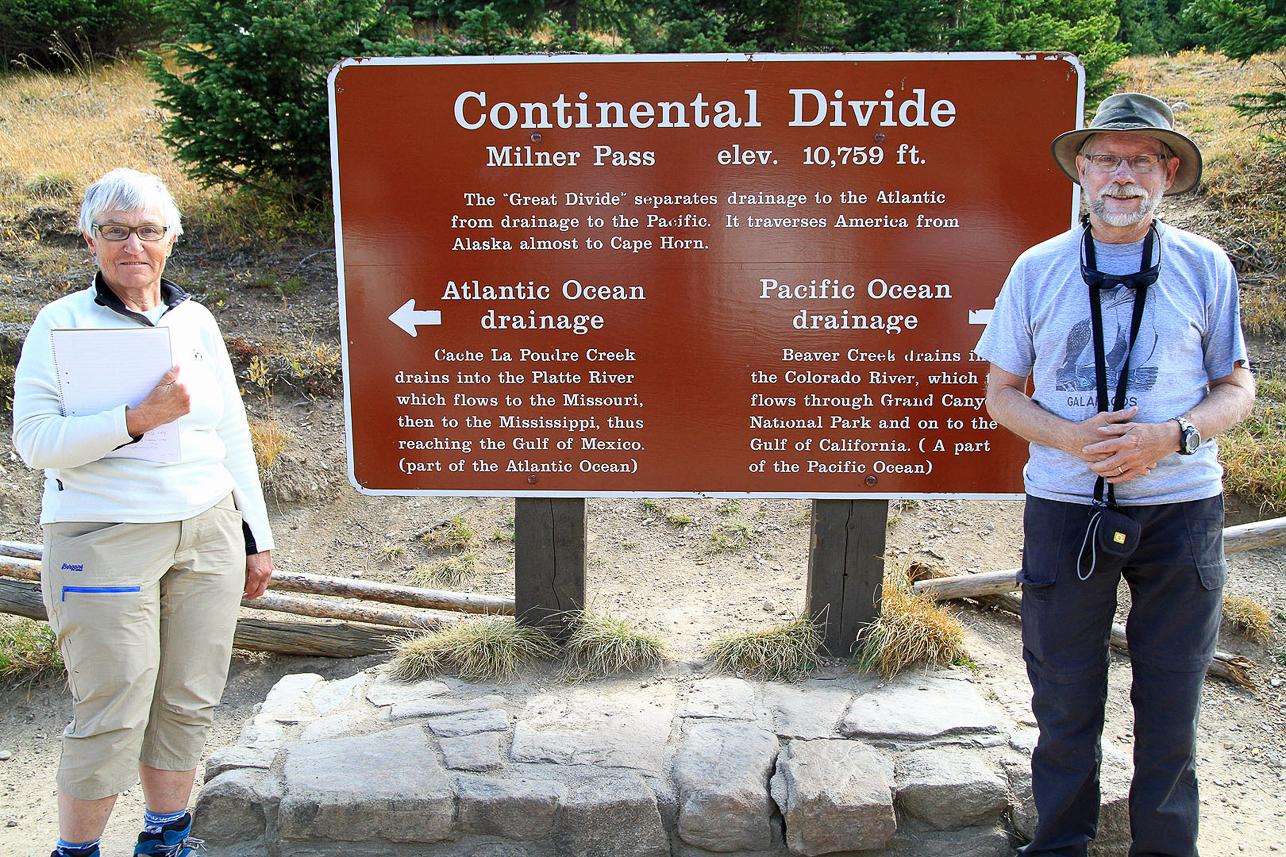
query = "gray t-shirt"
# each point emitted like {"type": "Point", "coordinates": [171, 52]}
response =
{"type": "Point", "coordinates": [1190, 334]}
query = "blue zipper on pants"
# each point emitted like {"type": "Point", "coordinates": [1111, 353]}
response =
{"type": "Point", "coordinates": [99, 590]}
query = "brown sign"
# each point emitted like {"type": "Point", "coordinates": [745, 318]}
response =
{"type": "Point", "coordinates": [686, 275]}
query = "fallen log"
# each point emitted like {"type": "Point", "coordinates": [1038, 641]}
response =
{"type": "Point", "coordinates": [22, 569]}
{"type": "Point", "coordinates": [317, 608]}
{"type": "Point", "coordinates": [1256, 534]}
{"type": "Point", "coordinates": [320, 639]}
{"type": "Point", "coordinates": [1242, 537]}
{"type": "Point", "coordinates": [26, 550]}
{"type": "Point", "coordinates": [389, 593]}
{"type": "Point", "coordinates": [13, 565]}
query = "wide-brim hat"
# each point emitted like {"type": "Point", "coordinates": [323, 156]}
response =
{"type": "Point", "coordinates": [1133, 113]}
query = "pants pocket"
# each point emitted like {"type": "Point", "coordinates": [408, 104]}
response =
{"type": "Point", "coordinates": [1205, 520]}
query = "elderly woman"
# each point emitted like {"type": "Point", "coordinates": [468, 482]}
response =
{"type": "Point", "coordinates": [145, 560]}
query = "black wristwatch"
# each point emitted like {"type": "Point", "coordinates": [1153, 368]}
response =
{"type": "Point", "coordinates": [1189, 437]}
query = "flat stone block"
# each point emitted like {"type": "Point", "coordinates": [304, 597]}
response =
{"type": "Point", "coordinates": [263, 736]}
{"type": "Point", "coordinates": [723, 698]}
{"type": "Point", "coordinates": [949, 788]}
{"type": "Point", "coordinates": [480, 752]}
{"type": "Point", "coordinates": [585, 727]}
{"type": "Point", "coordinates": [237, 756]}
{"type": "Point", "coordinates": [721, 772]}
{"type": "Point", "coordinates": [438, 707]}
{"type": "Point", "coordinates": [918, 708]}
{"type": "Point", "coordinates": [328, 697]}
{"type": "Point", "coordinates": [387, 691]}
{"type": "Point", "coordinates": [386, 786]}
{"type": "Point", "coordinates": [469, 723]}
{"type": "Point", "coordinates": [236, 806]}
{"type": "Point", "coordinates": [917, 840]}
{"type": "Point", "coordinates": [807, 712]}
{"type": "Point", "coordinates": [613, 815]}
{"type": "Point", "coordinates": [517, 808]}
{"type": "Point", "coordinates": [339, 724]}
{"type": "Point", "coordinates": [287, 702]}
{"type": "Point", "coordinates": [834, 795]}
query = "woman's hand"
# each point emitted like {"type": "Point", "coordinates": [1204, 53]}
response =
{"type": "Point", "coordinates": [258, 572]}
{"type": "Point", "coordinates": [166, 403]}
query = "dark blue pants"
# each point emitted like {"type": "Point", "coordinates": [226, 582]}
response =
{"type": "Point", "coordinates": [1176, 578]}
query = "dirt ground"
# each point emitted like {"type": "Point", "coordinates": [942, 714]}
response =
{"type": "Point", "coordinates": [685, 581]}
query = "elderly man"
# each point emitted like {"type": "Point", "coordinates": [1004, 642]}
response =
{"type": "Point", "coordinates": [1130, 332]}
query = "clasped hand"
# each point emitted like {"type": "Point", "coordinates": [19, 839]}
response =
{"type": "Point", "coordinates": [1120, 450]}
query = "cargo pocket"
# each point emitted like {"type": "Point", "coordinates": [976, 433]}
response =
{"type": "Point", "coordinates": [1205, 520]}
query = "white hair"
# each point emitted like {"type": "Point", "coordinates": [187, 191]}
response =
{"type": "Point", "coordinates": [124, 189]}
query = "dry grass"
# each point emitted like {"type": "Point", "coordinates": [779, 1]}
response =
{"type": "Point", "coordinates": [785, 651]}
{"type": "Point", "coordinates": [28, 652]}
{"type": "Point", "coordinates": [602, 644]}
{"type": "Point", "coordinates": [59, 132]}
{"type": "Point", "coordinates": [481, 649]}
{"type": "Point", "coordinates": [1253, 453]}
{"type": "Point", "coordinates": [270, 438]}
{"type": "Point", "coordinates": [911, 628]}
{"type": "Point", "coordinates": [1251, 619]}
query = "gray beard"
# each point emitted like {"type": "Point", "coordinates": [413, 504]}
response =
{"type": "Point", "coordinates": [1099, 209]}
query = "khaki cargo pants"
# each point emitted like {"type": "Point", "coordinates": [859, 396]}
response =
{"type": "Point", "coordinates": [144, 615]}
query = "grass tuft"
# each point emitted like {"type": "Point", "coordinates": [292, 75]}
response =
{"type": "Point", "coordinates": [458, 533]}
{"type": "Point", "coordinates": [911, 628]}
{"type": "Point", "coordinates": [1251, 619]}
{"type": "Point", "coordinates": [491, 647]}
{"type": "Point", "coordinates": [602, 644]}
{"type": "Point", "coordinates": [784, 651]}
{"type": "Point", "coordinates": [28, 652]}
{"type": "Point", "coordinates": [453, 571]}
{"type": "Point", "coordinates": [731, 536]}
{"type": "Point", "coordinates": [270, 438]}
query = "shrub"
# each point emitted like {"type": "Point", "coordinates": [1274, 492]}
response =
{"type": "Point", "coordinates": [56, 34]}
{"type": "Point", "coordinates": [247, 101]}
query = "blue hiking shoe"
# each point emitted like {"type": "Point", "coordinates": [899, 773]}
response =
{"type": "Point", "coordinates": [172, 841]}
{"type": "Point", "coordinates": [93, 852]}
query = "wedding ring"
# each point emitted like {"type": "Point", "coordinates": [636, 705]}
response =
{"type": "Point", "coordinates": [1119, 470]}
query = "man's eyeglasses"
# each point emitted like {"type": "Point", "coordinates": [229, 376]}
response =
{"type": "Point", "coordinates": [116, 232]}
{"type": "Point", "coordinates": [1138, 164]}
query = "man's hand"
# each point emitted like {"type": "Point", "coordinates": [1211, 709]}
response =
{"type": "Point", "coordinates": [258, 572]}
{"type": "Point", "coordinates": [1130, 449]}
{"type": "Point", "coordinates": [167, 401]}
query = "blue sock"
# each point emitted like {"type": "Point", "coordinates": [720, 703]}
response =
{"type": "Point", "coordinates": [153, 822]}
{"type": "Point", "coordinates": [77, 849]}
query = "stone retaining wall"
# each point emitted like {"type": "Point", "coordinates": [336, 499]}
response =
{"type": "Point", "coordinates": [676, 765]}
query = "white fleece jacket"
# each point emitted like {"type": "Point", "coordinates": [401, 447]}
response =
{"type": "Point", "coordinates": [81, 485]}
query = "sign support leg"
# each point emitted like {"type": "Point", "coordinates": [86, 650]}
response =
{"type": "Point", "coordinates": [846, 568]}
{"type": "Point", "coordinates": [549, 560]}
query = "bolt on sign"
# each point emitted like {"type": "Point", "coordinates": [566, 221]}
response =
{"type": "Point", "coordinates": [680, 275]}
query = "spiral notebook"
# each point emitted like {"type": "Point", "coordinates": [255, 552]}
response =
{"type": "Point", "coordinates": [101, 369]}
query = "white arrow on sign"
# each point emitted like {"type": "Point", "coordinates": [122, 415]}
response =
{"type": "Point", "coordinates": [408, 317]}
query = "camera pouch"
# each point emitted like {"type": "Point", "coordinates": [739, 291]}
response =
{"type": "Point", "coordinates": [1110, 533]}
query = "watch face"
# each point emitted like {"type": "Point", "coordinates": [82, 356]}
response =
{"type": "Point", "coordinates": [1190, 441]}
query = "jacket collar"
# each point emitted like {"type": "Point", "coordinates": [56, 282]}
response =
{"type": "Point", "coordinates": [171, 296]}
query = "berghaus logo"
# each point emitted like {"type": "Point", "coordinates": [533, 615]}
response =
{"type": "Point", "coordinates": [70, 567]}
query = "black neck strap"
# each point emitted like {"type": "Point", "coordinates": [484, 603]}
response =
{"type": "Point", "coordinates": [1097, 281]}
